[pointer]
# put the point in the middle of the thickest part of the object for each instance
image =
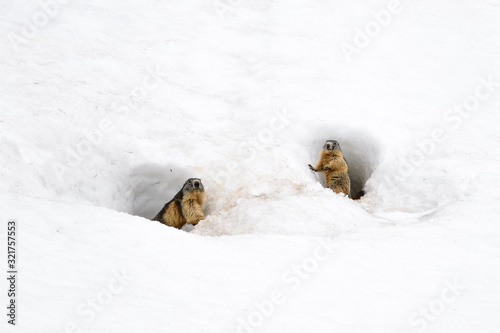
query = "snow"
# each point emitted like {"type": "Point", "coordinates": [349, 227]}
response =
{"type": "Point", "coordinates": [108, 107]}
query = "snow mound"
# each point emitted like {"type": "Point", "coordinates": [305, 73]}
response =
{"type": "Point", "coordinates": [286, 197]}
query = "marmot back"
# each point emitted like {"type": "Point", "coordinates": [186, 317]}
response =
{"type": "Point", "coordinates": [185, 207]}
{"type": "Point", "coordinates": [333, 164]}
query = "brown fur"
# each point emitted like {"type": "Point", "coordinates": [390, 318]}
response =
{"type": "Point", "coordinates": [334, 166]}
{"type": "Point", "coordinates": [192, 207]}
{"type": "Point", "coordinates": [185, 207]}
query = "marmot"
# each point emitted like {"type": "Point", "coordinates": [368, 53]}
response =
{"type": "Point", "coordinates": [185, 207]}
{"type": "Point", "coordinates": [333, 164]}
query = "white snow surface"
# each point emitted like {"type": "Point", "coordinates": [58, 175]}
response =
{"type": "Point", "coordinates": [109, 106]}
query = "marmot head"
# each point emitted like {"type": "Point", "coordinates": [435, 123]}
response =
{"type": "Point", "coordinates": [192, 185]}
{"type": "Point", "coordinates": [331, 145]}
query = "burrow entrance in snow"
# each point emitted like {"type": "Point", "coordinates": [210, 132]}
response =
{"type": "Point", "coordinates": [152, 186]}
{"type": "Point", "coordinates": [360, 149]}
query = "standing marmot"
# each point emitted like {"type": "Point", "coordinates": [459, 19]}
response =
{"type": "Point", "coordinates": [185, 207]}
{"type": "Point", "coordinates": [333, 164]}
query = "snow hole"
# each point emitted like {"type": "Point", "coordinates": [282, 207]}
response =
{"type": "Point", "coordinates": [155, 185]}
{"type": "Point", "coordinates": [360, 149]}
